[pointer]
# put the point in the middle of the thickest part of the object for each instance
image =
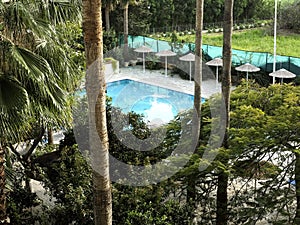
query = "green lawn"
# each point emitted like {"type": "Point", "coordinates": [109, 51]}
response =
{"type": "Point", "coordinates": [259, 39]}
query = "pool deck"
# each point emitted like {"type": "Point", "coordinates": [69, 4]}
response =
{"type": "Point", "coordinates": [158, 78]}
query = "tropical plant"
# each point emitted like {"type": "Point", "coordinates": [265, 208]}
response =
{"type": "Point", "coordinates": [34, 65]}
{"type": "Point", "coordinates": [35, 70]}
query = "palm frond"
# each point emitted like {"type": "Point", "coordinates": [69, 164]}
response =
{"type": "Point", "coordinates": [36, 75]}
{"type": "Point", "coordinates": [34, 63]}
{"type": "Point", "coordinates": [31, 62]}
{"type": "Point", "coordinates": [12, 95]}
{"type": "Point", "coordinates": [59, 11]}
{"type": "Point", "coordinates": [19, 18]}
{"type": "Point", "coordinates": [9, 171]}
{"type": "Point", "coordinates": [14, 102]}
{"type": "Point", "coordinates": [59, 60]}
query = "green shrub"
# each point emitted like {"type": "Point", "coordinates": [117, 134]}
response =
{"type": "Point", "coordinates": [152, 62]}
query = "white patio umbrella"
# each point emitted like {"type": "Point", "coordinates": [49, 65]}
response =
{"type": "Point", "coordinates": [166, 53]}
{"type": "Point", "coordinates": [189, 58]}
{"type": "Point", "coordinates": [216, 62]}
{"type": "Point", "coordinates": [247, 68]}
{"type": "Point", "coordinates": [143, 49]}
{"type": "Point", "coordinates": [282, 73]}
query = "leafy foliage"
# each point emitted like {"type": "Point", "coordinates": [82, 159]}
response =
{"type": "Point", "coordinates": [69, 183]}
{"type": "Point", "coordinates": [289, 18]}
{"type": "Point", "coordinates": [38, 62]}
{"type": "Point", "coordinates": [262, 146]}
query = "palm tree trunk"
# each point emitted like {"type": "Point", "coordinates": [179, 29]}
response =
{"type": "Point", "coordinates": [222, 198]}
{"type": "Point", "coordinates": [50, 136]}
{"type": "Point", "coordinates": [126, 57]}
{"type": "Point", "coordinates": [107, 22]}
{"type": "Point", "coordinates": [3, 215]}
{"type": "Point", "coordinates": [95, 85]}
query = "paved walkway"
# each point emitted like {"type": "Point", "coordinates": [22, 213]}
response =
{"type": "Point", "coordinates": [158, 78]}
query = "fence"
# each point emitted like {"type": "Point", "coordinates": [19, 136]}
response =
{"type": "Point", "coordinates": [264, 60]}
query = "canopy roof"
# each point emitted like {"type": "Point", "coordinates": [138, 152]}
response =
{"type": "Point", "coordinates": [143, 48]}
{"type": "Point", "coordinates": [215, 62]}
{"type": "Point", "coordinates": [247, 68]}
{"type": "Point", "coordinates": [188, 57]}
{"type": "Point", "coordinates": [165, 53]}
{"type": "Point", "coordinates": [283, 73]}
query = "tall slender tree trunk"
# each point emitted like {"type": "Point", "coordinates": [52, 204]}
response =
{"type": "Point", "coordinates": [126, 57]}
{"type": "Point", "coordinates": [107, 21]}
{"type": "Point", "coordinates": [191, 191]}
{"type": "Point", "coordinates": [98, 137]}
{"type": "Point", "coordinates": [297, 179]}
{"type": "Point", "coordinates": [50, 136]}
{"type": "Point", "coordinates": [3, 215]}
{"type": "Point", "coordinates": [222, 198]}
{"type": "Point", "coordinates": [198, 61]}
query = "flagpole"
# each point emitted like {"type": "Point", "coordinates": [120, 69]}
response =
{"type": "Point", "coordinates": [275, 34]}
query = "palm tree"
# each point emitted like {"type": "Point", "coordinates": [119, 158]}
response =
{"type": "Point", "coordinates": [33, 59]}
{"type": "Point", "coordinates": [222, 200]}
{"type": "Point", "coordinates": [34, 73]}
{"type": "Point", "coordinates": [12, 119]}
{"type": "Point", "coordinates": [95, 85]}
{"type": "Point", "coordinates": [33, 63]}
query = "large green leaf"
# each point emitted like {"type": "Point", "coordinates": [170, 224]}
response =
{"type": "Point", "coordinates": [12, 95]}
{"type": "Point", "coordinates": [35, 66]}
{"type": "Point", "coordinates": [14, 104]}
{"type": "Point", "coordinates": [40, 75]}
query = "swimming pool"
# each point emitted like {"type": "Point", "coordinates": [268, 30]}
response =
{"type": "Point", "coordinates": [157, 104]}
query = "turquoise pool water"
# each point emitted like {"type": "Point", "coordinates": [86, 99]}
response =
{"type": "Point", "coordinates": [157, 104]}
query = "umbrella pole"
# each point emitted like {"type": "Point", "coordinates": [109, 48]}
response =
{"type": "Point", "coordinates": [166, 67]}
{"type": "Point", "coordinates": [143, 62]}
{"type": "Point", "coordinates": [217, 76]}
{"type": "Point", "coordinates": [190, 70]}
{"type": "Point", "coordinates": [247, 77]}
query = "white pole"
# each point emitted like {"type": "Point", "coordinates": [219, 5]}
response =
{"type": "Point", "coordinates": [166, 65]}
{"type": "Point", "coordinates": [217, 76]}
{"type": "Point", "coordinates": [143, 62]}
{"type": "Point", "coordinates": [190, 70]}
{"type": "Point", "coordinates": [275, 34]}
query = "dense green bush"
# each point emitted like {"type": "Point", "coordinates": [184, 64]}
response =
{"type": "Point", "coordinates": [152, 62]}
{"type": "Point", "coordinates": [289, 16]}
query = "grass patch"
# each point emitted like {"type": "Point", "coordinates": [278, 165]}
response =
{"type": "Point", "coordinates": [257, 40]}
